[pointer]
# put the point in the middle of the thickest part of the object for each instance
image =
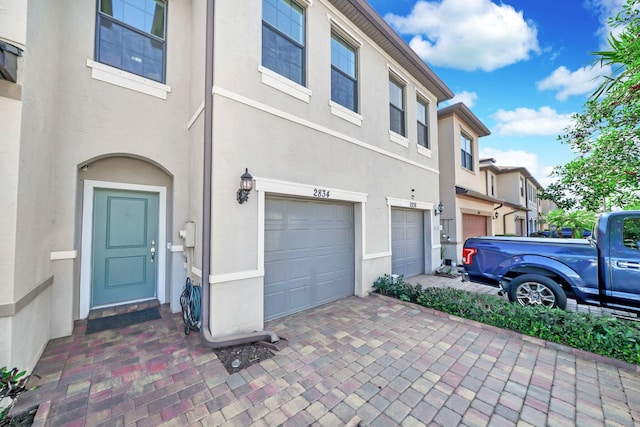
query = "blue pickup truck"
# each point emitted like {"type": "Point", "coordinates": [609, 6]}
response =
{"type": "Point", "coordinates": [603, 269]}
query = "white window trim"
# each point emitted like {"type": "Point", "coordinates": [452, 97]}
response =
{"type": "Point", "coordinates": [345, 113]}
{"type": "Point", "coordinates": [283, 84]}
{"type": "Point", "coordinates": [398, 75]}
{"type": "Point", "coordinates": [428, 98]}
{"type": "Point", "coordinates": [467, 134]}
{"type": "Point", "coordinates": [393, 136]}
{"type": "Point", "coordinates": [344, 32]}
{"type": "Point", "coordinates": [425, 100]}
{"type": "Point", "coordinates": [121, 78]}
{"type": "Point", "coordinates": [398, 139]}
{"type": "Point", "coordinates": [424, 151]}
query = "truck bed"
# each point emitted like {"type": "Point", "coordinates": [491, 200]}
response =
{"type": "Point", "coordinates": [496, 255]}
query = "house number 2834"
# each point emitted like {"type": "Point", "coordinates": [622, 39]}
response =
{"type": "Point", "coordinates": [320, 193]}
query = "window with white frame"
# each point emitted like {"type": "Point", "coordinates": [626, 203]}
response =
{"type": "Point", "coordinates": [521, 187]}
{"type": "Point", "coordinates": [422, 111]}
{"type": "Point", "coordinates": [493, 185]}
{"type": "Point", "coordinates": [344, 80]}
{"type": "Point", "coordinates": [283, 39]}
{"type": "Point", "coordinates": [466, 152]}
{"type": "Point", "coordinates": [396, 106]}
{"type": "Point", "coordinates": [131, 36]}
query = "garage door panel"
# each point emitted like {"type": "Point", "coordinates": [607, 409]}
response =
{"type": "Point", "coordinates": [473, 226]}
{"type": "Point", "coordinates": [276, 270]}
{"type": "Point", "coordinates": [299, 268]}
{"type": "Point", "coordinates": [398, 251]}
{"type": "Point", "coordinates": [276, 302]}
{"type": "Point", "coordinates": [407, 247]}
{"type": "Point", "coordinates": [313, 254]}
{"type": "Point", "coordinates": [296, 239]}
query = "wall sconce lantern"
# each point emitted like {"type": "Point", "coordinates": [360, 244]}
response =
{"type": "Point", "coordinates": [496, 215]}
{"type": "Point", "coordinates": [439, 210]}
{"type": "Point", "coordinates": [246, 185]}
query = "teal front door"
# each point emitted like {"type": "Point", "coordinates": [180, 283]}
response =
{"type": "Point", "coordinates": [125, 237]}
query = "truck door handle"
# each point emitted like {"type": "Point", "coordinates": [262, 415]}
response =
{"type": "Point", "coordinates": [625, 264]}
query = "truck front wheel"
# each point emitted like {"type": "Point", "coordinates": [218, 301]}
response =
{"type": "Point", "coordinates": [533, 289]}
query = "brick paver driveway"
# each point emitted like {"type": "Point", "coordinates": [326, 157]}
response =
{"type": "Point", "coordinates": [389, 363]}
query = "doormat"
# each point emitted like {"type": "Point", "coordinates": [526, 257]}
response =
{"type": "Point", "coordinates": [122, 320]}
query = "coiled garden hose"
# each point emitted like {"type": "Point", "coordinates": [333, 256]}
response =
{"type": "Point", "coordinates": [190, 302]}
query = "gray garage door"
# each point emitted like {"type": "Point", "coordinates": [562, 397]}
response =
{"type": "Point", "coordinates": [407, 238]}
{"type": "Point", "coordinates": [308, 255]}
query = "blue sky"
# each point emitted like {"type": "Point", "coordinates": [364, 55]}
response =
{"type": "Point", "coordinates": [522, 66]}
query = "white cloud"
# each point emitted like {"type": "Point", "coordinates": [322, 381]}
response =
{"type": "Point", "coordinates": [468, 34]}
{"type": "Point", "coordinates": [467, 98]}
{"type": "Point", "coordinates": [525, 121]}
{"type": "Point", "coordinates": [605, 9]}
{"type": "Point", "coordinates": [520, 158]}
{"type": "Point", "coordinates": [582, 81]}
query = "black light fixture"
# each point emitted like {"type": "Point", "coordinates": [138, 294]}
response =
{"type": "Point", "coordinates": [246, 185]}
{"type": "Point", "coordinates": [439, 210]}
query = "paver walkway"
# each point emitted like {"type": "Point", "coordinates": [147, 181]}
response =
{"type": "Point", "coordinates": [387, 362]}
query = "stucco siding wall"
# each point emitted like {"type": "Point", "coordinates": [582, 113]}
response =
{"type": "Point", "coordinates": [237, 70]}
{"type": "Point", "coordinates": [296, 151]}
{"type": "Point", "coordinates": [10, 120]}
{"type": "Point", "coordinates": [13, 22]}
{"type": "Point", "coordinates": [29, 185]}
{"type": "Point", "coordinates": [510, 187]}
{"type": "Point", "coordinates": [96, 120]}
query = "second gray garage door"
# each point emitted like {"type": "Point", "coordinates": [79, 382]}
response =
{"type": "Point", "coordinates": [407, 238]}
{"type": "Point", "coordinates": [308, 255]}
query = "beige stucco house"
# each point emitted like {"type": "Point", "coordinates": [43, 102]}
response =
{"type": "Point", "coordinates": [115, 107]}
{"type": "Point", "coordinates": [467, 198]}
{"type": "Point", "coordinates": [522, 208]}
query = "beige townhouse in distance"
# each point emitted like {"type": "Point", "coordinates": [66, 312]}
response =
{"type": "Point", "coordinates": [522, 208]}
{"type": "Point", "coordinates": [468, 209]}
{"type": "Point", "coordinates": [126, 127]}
{"type": "Point", "coordinates": [480, 198]}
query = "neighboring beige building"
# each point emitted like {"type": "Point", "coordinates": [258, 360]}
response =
{"type": "Point", "coordinates": [468, 204]}
{"type": "Point", "coordinates": [103, 135]}
{"type": "Point", "coordinates": [518, 189]}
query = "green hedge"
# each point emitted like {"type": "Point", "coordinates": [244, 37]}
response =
{"type": "Point", "coordinates": [604, 335]}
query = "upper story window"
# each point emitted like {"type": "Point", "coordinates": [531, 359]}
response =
{"type": "Point", "coordinates": [396, 106]}
{"type": "Point", "coordinates": [422, 109]}
{"type": "Point", "coordinates": [283, 39]}
{"type": "Point", "coordinates": [344, 83]}
{"type": "Point", "coordinates": [493, 185]}
{"type": "Point", "coordinates": [521, 187]}
{"type": "Point", "coordinates": [466, 149]}
{"type": "Point", "coordinates": [131, 36]}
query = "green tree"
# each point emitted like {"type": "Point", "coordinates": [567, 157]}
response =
{"type": "Point", "coordinates": [578, 220]}
{"type": "Point", "coordinates": [606, 135]}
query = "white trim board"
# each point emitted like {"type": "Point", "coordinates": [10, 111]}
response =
{"type": "Point", "coordinates": [87, 237]}
{"type": "Point", "coordinates": [217, 90]}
